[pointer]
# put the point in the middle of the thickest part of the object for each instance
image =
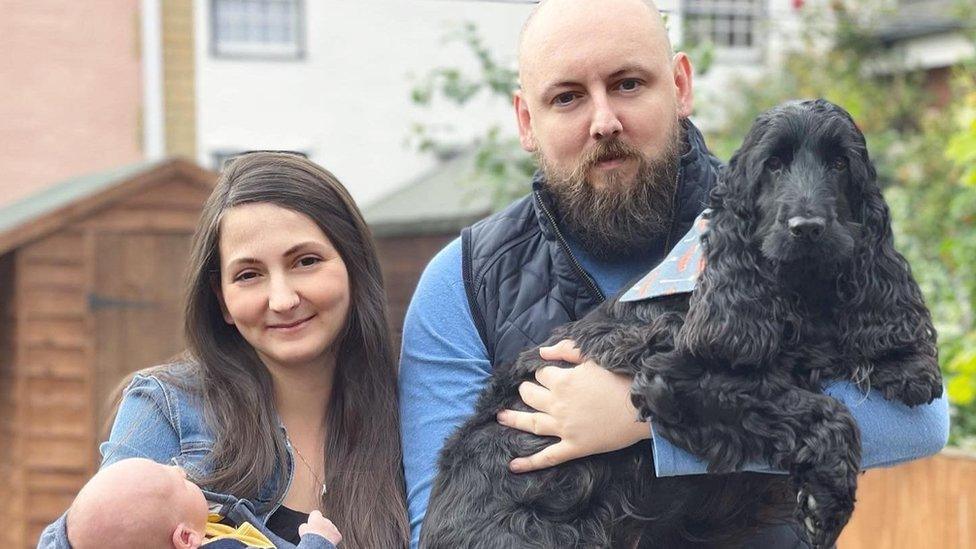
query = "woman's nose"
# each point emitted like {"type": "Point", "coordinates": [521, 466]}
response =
{"type": "Point", "coordinates": [282, 295]}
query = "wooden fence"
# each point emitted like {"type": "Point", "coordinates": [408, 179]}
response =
{"type": "Point", "coordinates": [927, 504]}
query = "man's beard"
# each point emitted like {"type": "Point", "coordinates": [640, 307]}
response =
{"type": "Point", "coordinates": [624, 217]}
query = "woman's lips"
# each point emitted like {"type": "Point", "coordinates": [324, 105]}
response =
{"type": "Point", "coordinates": [290, 326]}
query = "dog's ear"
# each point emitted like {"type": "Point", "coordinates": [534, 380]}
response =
{"type": "Point", "coordinates": [737, 186]}
{"type": "Point", "coordinates": [884, 314]}
{"type": "Point", "coordinates": [736, 314]}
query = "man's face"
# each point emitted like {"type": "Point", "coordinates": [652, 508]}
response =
{"type": "Point", "coordinates": [601, 97]}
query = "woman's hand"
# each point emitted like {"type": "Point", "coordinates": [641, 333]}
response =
{"type": "Point", "coordinates": [586, 406]}
{"type": "Point", "coordinates": [317, 524]}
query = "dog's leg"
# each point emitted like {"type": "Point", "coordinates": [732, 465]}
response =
{"type": "Point", "coordinates": [730, 420]}
{"type": "Point", "coordinates": [824, 460]}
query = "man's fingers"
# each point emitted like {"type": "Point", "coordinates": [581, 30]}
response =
{"type": "Point", "coordinates": [548, 457]}
{"type": "Point", "coordinates": [549, 376]}
{"type": "Point", "coordinates": [535, 423]}
{"type": "Point", "coordinates": [535, 396]}
{"type": "Point", "coordinates": [565, 350]}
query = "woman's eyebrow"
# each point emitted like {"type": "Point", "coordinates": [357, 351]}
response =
{"type": "Point", "coordinates": [298, 247]}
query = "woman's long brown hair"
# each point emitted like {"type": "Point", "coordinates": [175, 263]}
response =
{"type": "Point", "coordinates": [364, 473]}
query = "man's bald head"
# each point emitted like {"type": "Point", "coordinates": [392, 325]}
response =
{"type": "Point", "coordinates": [549, 13]}
{"type": "Point", "coordinates": [600, 104]}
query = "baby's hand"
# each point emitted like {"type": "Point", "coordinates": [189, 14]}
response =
{"type": "Point", "coordinates": [317, 524]}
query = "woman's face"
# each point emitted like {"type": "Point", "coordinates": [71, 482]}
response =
{"type": "Point", "coordinates": [282, 284]}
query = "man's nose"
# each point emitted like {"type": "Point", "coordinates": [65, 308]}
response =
{"type": "Point", "coordinates": [605, 123]}
{"type": "Point", "coordinates": [282, 295]}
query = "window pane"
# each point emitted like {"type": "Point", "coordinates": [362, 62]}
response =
{"type": "Point", "coordinates": [256, 27]}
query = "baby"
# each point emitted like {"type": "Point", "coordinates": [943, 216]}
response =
{"type": "Point", "coordinates": [140, 503]}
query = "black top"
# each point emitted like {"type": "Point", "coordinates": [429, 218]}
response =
{"type": "Point", "coordinates": [285, 522]}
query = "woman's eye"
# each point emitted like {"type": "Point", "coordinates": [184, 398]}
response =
{"type": "Point", "coordinates": [308, 261]}
{"type": "Point", "coordinates": [245, 276]}
{"type": "Point", "coordinates": [564, 99]}
{"type": "Point", "coordinates": [774, 164]}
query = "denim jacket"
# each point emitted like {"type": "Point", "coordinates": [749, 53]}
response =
{"type": "Point", "coordinates": [161, 422]}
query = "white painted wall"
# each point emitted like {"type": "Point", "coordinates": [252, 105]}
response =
{"type": "Point", "coordinates": [347, 102]}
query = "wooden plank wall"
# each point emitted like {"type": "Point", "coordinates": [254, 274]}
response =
{"type": "Point", "coordinates": [54, 377]}
{"type": "Point", "coordinates": [54, 367]}
{"type": "Point", "coordinates": [402, 260]}
{"type": "Point", "coordinates": [926, 504]}
{"type": "Point", "coordinates": [11, 477]}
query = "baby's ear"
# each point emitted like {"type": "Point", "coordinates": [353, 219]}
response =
{"type": "Point", "coordinates": [185, 537]}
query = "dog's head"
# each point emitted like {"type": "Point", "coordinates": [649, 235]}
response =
{"type": "Point", "coordinates": [799, 180]}
{"type": "Point", "coordinates": [800, 199]}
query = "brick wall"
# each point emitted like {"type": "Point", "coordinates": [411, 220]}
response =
{"type": "Point", "coordinates": [70, 91]}
{"type": "Point", "coordinates": [179, 82]}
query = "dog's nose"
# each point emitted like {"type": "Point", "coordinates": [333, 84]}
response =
{"type": "Point", "coordinates": [809, 228]}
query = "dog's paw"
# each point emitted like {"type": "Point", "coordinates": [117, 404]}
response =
{"type": "Point", "coordinates": [655, 399]}
{"type": "Point", "coordinates": [822, 516]}
{"type": "Point", "coordinates": [913, 393]}
{"type": "Point", "coordinates": [916, 381]}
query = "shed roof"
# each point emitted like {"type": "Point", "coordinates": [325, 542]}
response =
{"type": "Point", "coordinates": [917, 19]}
{"type": "Point", "coordinates": [442, 200]}
{"type": "Point", "coordinates": [62, 203]}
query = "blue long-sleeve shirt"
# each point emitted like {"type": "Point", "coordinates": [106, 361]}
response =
{"type": "Point", "coordinates": [444, 366]}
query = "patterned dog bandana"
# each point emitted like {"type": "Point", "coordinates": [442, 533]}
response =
{"type": "Point", "coordinates": [679, 271]}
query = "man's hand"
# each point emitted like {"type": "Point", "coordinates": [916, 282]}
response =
{"type": "Point", "coordinates": [317, 524]}
{"type": "Point", "coordinates": [587, 407]}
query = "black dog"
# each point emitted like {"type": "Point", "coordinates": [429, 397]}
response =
{"type": "Point", "coordinates": [801, 284]}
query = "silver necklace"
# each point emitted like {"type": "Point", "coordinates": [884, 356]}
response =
{"type": "Point", "coordinates": [310, 470]}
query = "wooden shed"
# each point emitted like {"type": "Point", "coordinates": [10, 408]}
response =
{"type": "Point", "coordinates": [91, 274]}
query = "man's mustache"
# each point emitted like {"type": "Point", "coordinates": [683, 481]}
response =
{"type": "Point", "coordinates": [605, 150]}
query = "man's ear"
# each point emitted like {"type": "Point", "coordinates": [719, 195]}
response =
{"type": "Point", "coordinates": [215, 286]}
{"type": "Point", "coordinates": [524, 119]}
{"type": "Point", "coordinates": [683, 76]}
{"type": "Point", "coordinates": [185, 537]}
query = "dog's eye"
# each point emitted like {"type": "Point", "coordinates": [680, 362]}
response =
{"type": "Point", "coordinates": [839, 163]}
{"type": "Point", "coordinates": [774, 164]}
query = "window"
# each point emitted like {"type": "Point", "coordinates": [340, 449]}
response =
{"type": "Point", "coordinates": [271, 29]}
{"type": "Point", "coordinates": [728, 24]}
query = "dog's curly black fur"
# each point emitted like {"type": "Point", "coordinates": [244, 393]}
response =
{"type": "Point", "coordinates": [801, 284]}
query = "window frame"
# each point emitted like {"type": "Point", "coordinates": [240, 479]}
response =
{"type": "Point", "coordinates": [258, 51]}
{"type": "Point", "coordinates": [693, 9]}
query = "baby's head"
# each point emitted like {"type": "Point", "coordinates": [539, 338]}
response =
{"type": "Point", "coordinates": [138, 503]}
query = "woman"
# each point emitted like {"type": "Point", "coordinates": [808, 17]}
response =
{"type": "Point", "coordinates": [287, 394]}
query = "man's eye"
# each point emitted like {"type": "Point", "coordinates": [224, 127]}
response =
{"type": "Point", "coordinates": [564, 98]}
{"type": "Point", "coordinates": [308, 261]}
{"type": "Point", "coordinates": [629, 84]}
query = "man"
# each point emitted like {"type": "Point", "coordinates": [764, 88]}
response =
{"type": "Point", "coordinates": [603, 105]}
